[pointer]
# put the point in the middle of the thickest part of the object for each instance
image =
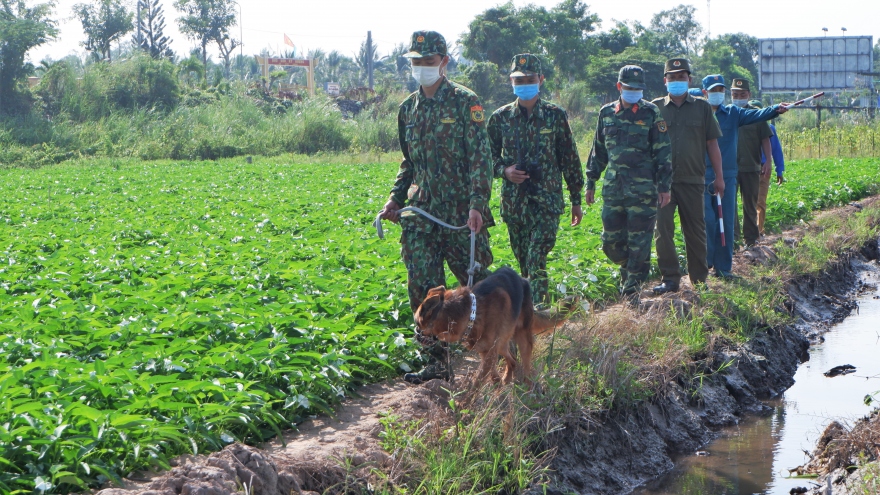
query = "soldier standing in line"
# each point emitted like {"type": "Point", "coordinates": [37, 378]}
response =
{"type": "Point", "coordinates": [730, 118]}
{"type": "Point", "coordinates": [532, 151]}
{"type": "Point", "coordinates": [633, 143]}
{"type": "Point", "coordinates": [778, 162]}
{"type": "Point", "coordinates": [753, 139]}
{"type": "Point", "coordinates": [694, 133]}
{"type": "Point", "coordinates": [446, 171]}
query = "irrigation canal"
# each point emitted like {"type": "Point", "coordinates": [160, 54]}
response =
{"type": "Point", "coordinates": [754, 457]}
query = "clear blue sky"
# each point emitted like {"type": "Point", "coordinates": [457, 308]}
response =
{"type": "Point", "coordinates": [343, 24]}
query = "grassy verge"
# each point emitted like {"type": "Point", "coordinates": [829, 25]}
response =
{"type": "Point", "coordinates": [607, 362]}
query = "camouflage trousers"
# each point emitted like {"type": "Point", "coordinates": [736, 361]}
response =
{"type": "Point", "coordinates": [628, 229]}
{"type": "Point", "coordinates": [532, 237]}
{"type": "Point", "coordinates": [424, 255]}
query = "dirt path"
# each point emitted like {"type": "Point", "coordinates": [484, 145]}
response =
{"type": "Point", "coordinates": [341, 451]}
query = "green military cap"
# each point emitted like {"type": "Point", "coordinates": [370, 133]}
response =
{"type": "Point", "coordinates": [677, 65]}
{"type": "Point", "coordinates": [425, 44]}
{"type": "Point", "coordinates": [740, 84]}
{"type": "Point", "coordinates": [525, 64]}
{"type": "Point", "coordinates": [632, 76]}
{"type": "Point", "coordinates": [756, 103]}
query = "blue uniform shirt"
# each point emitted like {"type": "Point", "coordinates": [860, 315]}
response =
{"type": "Point", "coordinates": [731, 118]}
{"type": "Point", "coordinates": [776, 150]}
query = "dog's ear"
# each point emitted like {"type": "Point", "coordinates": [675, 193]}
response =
{"type": "Point", "coordinates": [438, 291]}
{"type": "Point", "coordinates": [432, 303]}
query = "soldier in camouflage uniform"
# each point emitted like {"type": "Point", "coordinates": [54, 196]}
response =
{"type": "Point", "coordinates": [632, 142]}
{"type": "Point", "coordinates": [533, 150]}
{"type": "Point", "coordinates": [446, 171]}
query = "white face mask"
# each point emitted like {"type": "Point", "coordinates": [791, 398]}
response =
{"type": "Point", "coordinates": [426, 76]}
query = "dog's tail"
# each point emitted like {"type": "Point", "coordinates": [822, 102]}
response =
{"type": "Point", "coordinates": [542, 323]}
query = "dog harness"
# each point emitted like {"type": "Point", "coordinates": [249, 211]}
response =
{"type": "Point", "coordinates": [471, 318]}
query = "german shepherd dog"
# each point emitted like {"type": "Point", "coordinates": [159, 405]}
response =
{"type": "Point", "coordinates": [504, 311]}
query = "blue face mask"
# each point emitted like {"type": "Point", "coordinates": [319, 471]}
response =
{"type": "Point", "coordinates": [526, 91]}
{"type": "Point", "coordinates": [716, 99]}
{"type": "Point", "coordinates": [677, 88]}
{"type": "Point", "coordinates": [631, 96]}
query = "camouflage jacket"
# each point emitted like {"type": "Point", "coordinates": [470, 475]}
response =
{"type": "Point", "coordinates": [544, 139]}
{"type": "Point", "coordinates": [635, 147]}
{"type": "Point", "coordinates": [446, 168]}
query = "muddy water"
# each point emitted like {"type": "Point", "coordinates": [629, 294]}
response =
{"type": "Point", "coordinates": [754, 457]}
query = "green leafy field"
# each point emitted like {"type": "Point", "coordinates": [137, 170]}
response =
{"type": "Point", "coordinates": [154, 308]}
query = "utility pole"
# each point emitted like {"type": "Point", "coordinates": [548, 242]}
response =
{"type": "Point", "coordinates": [370, 58]}
{"type": "Point", "coordinates": [140, 6]}
{"type": "Point", "coordinates": [708, 18]}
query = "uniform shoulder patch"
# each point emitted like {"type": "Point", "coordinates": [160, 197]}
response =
{"type": "Point", "coordinates": [661, 126]}
{"type": "Point", "coordinates": [477, 113]}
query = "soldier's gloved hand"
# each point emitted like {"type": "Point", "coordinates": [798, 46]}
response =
{"type": "Point", "coordinates": [663, 199]}
{"type": "Point", "coordinates": [719, 186]}
{"type": "Point", "coordinates": [590, 196]}
{"type": "Point", "coordinates": [475, 220]}
{"type": "Point", "coordinates": [577, 214]}
{"type": "Point", "coordinates": [514, 175]}
{"type": "Point", "coordinates": [389, 211]}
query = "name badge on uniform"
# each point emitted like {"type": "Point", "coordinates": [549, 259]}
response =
{"type": "Point", "coordinates": [447, 121]}
{"type": "Point", "coordinates": [545, 131]}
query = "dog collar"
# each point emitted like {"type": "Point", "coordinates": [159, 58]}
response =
{"type": "Point", "coordinates": [471, 318]}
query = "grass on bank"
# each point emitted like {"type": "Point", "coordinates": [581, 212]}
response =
{"type": "Point", "coordinates": [602, 365]}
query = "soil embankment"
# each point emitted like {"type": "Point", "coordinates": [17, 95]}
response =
{"type": "Point", "coordinates": [609, 455]}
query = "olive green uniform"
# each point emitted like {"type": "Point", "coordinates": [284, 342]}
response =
{"type": "Point", "coordinates": [748, 179]}
{"type": "Point", "coordinates": [690, 126]}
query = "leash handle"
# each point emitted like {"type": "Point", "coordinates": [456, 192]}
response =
{"type": "Point", "coordinates": [472, 267]}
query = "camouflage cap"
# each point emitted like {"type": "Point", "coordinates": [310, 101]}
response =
{"type": "Point", "coordinates": [677, 65]}
{"type": "Point", "coordinates": [713, 80]}
{"type": "Point", "coordinates": [632, 76]}
{"type": "Point", "coordinates": [525, 64]}
{"type": "Point", "coordinates": [740, 85]}
{"type": "Point", "coordinates": [425, 44]}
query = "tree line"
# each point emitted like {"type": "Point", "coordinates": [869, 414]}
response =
{"type": "Point", "coordinates": [580, 61]}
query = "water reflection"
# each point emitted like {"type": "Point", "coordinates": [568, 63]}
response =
{"type": "Point", "coordinates": [754, 457]}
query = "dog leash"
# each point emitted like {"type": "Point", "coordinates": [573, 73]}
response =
{"type": "Point", "coordinates": [473, 266]}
